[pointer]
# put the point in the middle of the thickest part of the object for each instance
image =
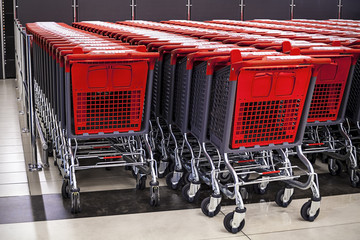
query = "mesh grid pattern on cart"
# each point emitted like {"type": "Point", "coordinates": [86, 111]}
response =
{"type": "Point", "coordinates": [219, 101]}
{"type": "Point", "coordinates": [353, 107]}
{"type": "Point", "coordinates": [180, 91]}
{"type": "Point", "coordinates": [166, 86]}
{"type": "Point", "coordinates": [197, 101]}
{"type": "Point", "coordinates": [156, 86]}
{"type": "Point", "coordinates": [269, 104]}
{"type": "Point", "coordinates": [108, 98]}
{"type": "Point", "coordinates": [329, 90]}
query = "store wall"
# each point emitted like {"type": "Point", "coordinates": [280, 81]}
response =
{"type": "Point", "coordinates": [158, 10]}
{"type": "Point", "coordinates": [215, 9]}
{"type": "Point", "coordinates": [104, 10]}
{"type": "Point", "coordinates": [317, 9]}
{"type": "Point", "coordinates": [351, 9]}
{"type": "Point", "coordinates": [272, 9]}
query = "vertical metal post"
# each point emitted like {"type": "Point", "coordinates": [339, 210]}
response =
{"type": "Point", "coordinates": [75, 7]}
{"type": "Point", "coordinates": [292, 6]}
{"type": "Point", "coordinates": [188, 5]}
{"type": "Point", "coordinates": [2, 40]}
{"type": "Point", "coordinates": [15, 9]}
{"type": "Point", "coordinates": [34, 165]}
{"type": "Point", "coordinates": [133, 6]}
{"type": "Point", "coordinates": [340, 9]}
{"type": "Point", "coordinates": [242, 6]}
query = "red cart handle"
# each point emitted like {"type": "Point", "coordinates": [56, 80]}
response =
{"type": "Point", "coordinates": [267, 61]}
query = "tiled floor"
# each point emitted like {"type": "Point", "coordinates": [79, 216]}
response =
{"type": "Point", "coordinates": [31, 206]}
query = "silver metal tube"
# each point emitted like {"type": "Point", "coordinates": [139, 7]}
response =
{"type": "Point", "coordinates": [242, 6]}
{"type": "Point", "coordinates": [2, 42]}
{"type": "Point", "coordinates": [188, 5]}
{"type": "Point", "coordinates": [292, 5]}
{"type": "Point", "coordinates": [340, 8]}
{"type": "Point", "coordinates": [31, 100]}
{"type": "Point", "coordinates": [75, 7]}
{"type": "Point", "coordinates": [133, 5]}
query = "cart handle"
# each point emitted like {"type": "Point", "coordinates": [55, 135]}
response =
{"type": "Point", "coordinates": [183, 51]}
{"type": "Point", "coordinates": [202, 55]}
{"type": "Point", "coordinates": [236, 67]}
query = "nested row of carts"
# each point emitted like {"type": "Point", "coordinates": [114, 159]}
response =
{"type": "Point", "coordinates": [224, 103]}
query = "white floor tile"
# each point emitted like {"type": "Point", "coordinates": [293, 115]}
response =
{"type": "Point", "coordinates": [12, 167]}
{"type": "Point", "coordinates": [184, 224]}
{"type": "Point", "coordinates": [8, 178]}
{"type": "Point", "coordinates": [347, 231]}
{"type": "Point", "coordinates": [11, 149]}
{"type": "Point", "coordinates": [335, 210]}
{"type": "Point", "coordinates": [10, 190]}
{"type": "Point", "coordinates": [12, 157]}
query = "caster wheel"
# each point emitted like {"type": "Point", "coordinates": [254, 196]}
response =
{"type": "Point", "coordinates": [224, 177]}
{"type": "Point", "coordinates": [169, 183]}
{"type": "Point", "coordinates": [187, 178]}
{"type": "Point", "coordinates": [65, 189]}
{"type": "Point", "coordinates": [155, 199]}
{"type": "Point", "coordinates": [311, 157]}
{"type": "Point", "coordinates": [279, 199]}
{"type": "Point", "coordinates": [185, 192]}
{"type": "Point", "coordinates": [259, 190]}
{"type": "Point", "coordinates": [355, 182]}
{"type": "Point", "coordinates": [205, 208]}
{"type": "Point", "coordinates": [305, 212]}
{"type": "Point", "coordinates": [141, 183]}
{"type": "Point", "coordinates": [337, 170]}
{"type": "Point", "coordinates": [75, 202]}
{"type": "Point", "coordinates": [227, 223]}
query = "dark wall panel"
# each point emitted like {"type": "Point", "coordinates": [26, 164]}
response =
{"type": "Point", "coordinates": [351, 9]}
{"type": "Point", "coordinates": [273, 9]}
{"type": "Point", "coordinates": [214, 9]}
{"type": "Point", "coordinates": [316, 9]}
{"type": "Point", "coordinates": [158, 10]}
{"type": "Point", "coordinates": [45, 10]}
{"type": "Point", "coordinates": [104, 10]}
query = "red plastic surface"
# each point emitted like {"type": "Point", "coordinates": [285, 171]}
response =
{"type": "Point", "coordinates": [108, 97]}
{"type": "Point", "coordinates": [329, 90]}
{"type": "Point", "coordinates": [269, 103]}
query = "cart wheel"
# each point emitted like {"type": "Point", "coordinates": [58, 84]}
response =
{"type": "Point", "coordinates": [227, 223]}
{"type": "Point", "coordinates": [259, 190]}
{"type": "Point", "coordinates": [169, 183]}
{"type": "Point", "coordinates": [337, 168]}
{"type": "Point", "coordinates": [141, 182]}
{"type": "Point", "coordinates": [185, 192]}
{"type": "Point", "coordinates": [305, 212]}
{"type": "Point", "coordinates": [186, 178]}
{"type": "Point", "coordinates": [75, 202]}
{"type": "Point", "coordinates": [355, 182]}
{"type": "Point", "coordinates": [311, 157]}
{"type": "Point", "coordinates": [155, 197]}
{"type": "Point", "coordinates": [65, 190]}
{"type": "Point", "coordinates": [224, 177]}
{"type": "Point", "coordinates": [205, 208]}
{"type": "Point", "coordinates": [279, 199]}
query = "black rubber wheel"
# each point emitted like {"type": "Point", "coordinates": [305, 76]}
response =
{"type": "Point", "coordinates": [75, 202]}
{"type": "Point", "coordinates": [185, 193]}
{"type": "Point", "coordinates": [305, 212]}
{"type": "Point", "coordinates": [227, 223]}
{"type": "Point", "coordinates": [141, 183]}
{"type": "Point", "coordinates": [205, 208]}
{"type": "Point", "coordinates": [338, 168]}
{"type": "Point", "coordinates": [154, 201]}
{"type": "Point", "coordinates": [169, 183]}
{"type": "Point", "coordinates": [259, 190]}
{"type": "Point", "coordinates": [311, 157]}
{"type": "Point", "coordinates": [279, 199]}
{"type": "Point", "coordinates": [224, 177]}
{"type": "Point", "coordinates": [356, 181]}
{"type": "Point", "coordinates": [65, 189]}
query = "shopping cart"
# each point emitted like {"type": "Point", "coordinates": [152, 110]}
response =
{"type": "Point", "coordinates": [98, 96]}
